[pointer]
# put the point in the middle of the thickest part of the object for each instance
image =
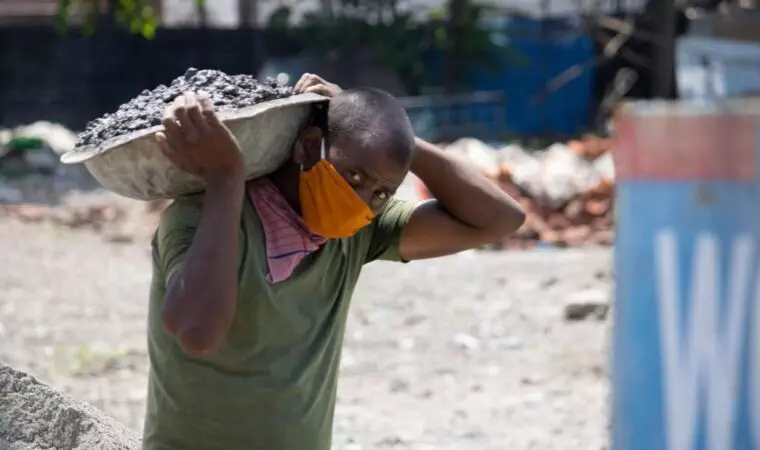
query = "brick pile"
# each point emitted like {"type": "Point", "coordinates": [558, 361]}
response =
{"type": "Point", "coordinates": [583, 217]}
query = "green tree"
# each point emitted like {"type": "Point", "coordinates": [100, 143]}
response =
{"type": "Point", "coordinates": [400, 41]}
{"type": "Point", "coordinates": [138, 16]}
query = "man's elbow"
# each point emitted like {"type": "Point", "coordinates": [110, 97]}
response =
{"type": "Point", "coordinates": [198, 342]}
{"type": "Point", "coordinates": [194, 340]}
{"type": "Point", "coordinates": [510, 218]}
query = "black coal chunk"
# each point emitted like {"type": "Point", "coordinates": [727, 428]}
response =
{"type": "Point", "coordinates": [228, 92]}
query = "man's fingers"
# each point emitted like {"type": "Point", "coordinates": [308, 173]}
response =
{"type": "Point", "coordinates": [178, 105]}
{"type": "Point", "coordinates": [318, 79]}
{"type": "Point", "coordinates": [163, 143]}
{"type": "Point", "coordinates": [168, 150]}
{"type": "Point", "coordinates": [320, 89]}
{"type": "Point", "coordinates": [307, 81]}
{"type": "Point", "coordinates": [207, 110]}
{"type": "Point", "coordinates": [173, 131]}
{"type": "Point", "coordinates": [161, 139]}
{"type": "Point", "coordinates": [169, 112]}
{"type": "Point", "coordinates": [300, 85]}
{"type": "Point", "coordinates": [195, 116]}
{"type": "Point", "coordinates": [182, 113]}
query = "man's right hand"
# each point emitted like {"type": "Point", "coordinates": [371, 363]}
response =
{"type": "Point", "coordinates": [201, 296]}
{"type": "Point", "coordinates": [197, 142]}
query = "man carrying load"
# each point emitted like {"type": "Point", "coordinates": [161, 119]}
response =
{"type": "Point", "coordinates": [252, 281]}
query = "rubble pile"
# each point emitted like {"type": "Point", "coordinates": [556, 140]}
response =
{"type": "Point", "coordinates": [87, 216]}
{"type": "Point", "coordinates": [117, 220]}
{"type": "Point", "coordinates": [227, 92]}
{"type": "Point", "coordinates": [35, 188]}
{"type": "Point", "coordinates": [36, 416]}
{"type": "Point", "coordinates": [566, 189]}
{"type": "Point", "coordinates": [34, 148]}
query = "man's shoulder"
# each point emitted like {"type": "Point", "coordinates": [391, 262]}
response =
{"type": "Point", "coordinates": [186, 211]}
{"type": "Point", "coordinates": [380, 239]}
{"type": "Point", "coordinates": [187, 205]}
{"type": "Point", "coordinates": [183, 215]}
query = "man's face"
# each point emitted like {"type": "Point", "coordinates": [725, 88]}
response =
{"type": "Point", "coordinates": [374, 173]}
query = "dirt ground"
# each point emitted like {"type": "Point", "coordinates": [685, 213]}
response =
{"type": "Point", "coordinates": [466, 352]}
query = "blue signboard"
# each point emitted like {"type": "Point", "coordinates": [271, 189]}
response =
{"type": "Point", "coordinates": [686, 353]}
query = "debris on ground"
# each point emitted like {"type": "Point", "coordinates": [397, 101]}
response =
{"type": "Point", "coordinates": [28, 156]}
{"type": "Point", "coordinates": [587, 304]}
{"type": "Point", "coordinates": [566, 190]}
{"type": "Point", "coordinates": [147, 109]}
{"type": "Point", "coordinates": [34, 148]}
{"type": "Point", "coordinates": [55, 136]}
{"type": "Point", "coordinates": [9, 194]}
{"type": "Point", "coordinates": [36, 416]}
{"type": "Point", "coordinates": [35, 188]}
{"type": "Point", "coordinates": [90, 216]}
{"type": "Point", "coordinates": [116, 219]}
{"type": "Point", "coordinates": [449, 377]}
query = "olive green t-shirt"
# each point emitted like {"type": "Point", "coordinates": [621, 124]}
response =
{"type": "Point", "coordinates": [272, 385]}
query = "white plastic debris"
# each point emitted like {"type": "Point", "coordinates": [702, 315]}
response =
{"type": "Point", "coordinates": [565, 175]}
{"type": "Point", "coordinates": [477, 152]}
{"type": "Point", "coordinates": [59, 138]}
{"type": "Point", "coordinates": [605, 165]}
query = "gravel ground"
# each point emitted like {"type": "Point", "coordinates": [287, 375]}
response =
{"type": "Point", "coordinates": [465, 352]}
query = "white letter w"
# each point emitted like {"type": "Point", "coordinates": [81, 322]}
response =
{"type": "Point", "coordinates": [701, 357]}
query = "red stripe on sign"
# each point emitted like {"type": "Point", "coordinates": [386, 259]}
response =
{"type": "Point", "coordinates": [699, 147]}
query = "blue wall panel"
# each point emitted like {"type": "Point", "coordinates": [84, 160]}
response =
{"type": "Point", "coordinates": [564, 111]}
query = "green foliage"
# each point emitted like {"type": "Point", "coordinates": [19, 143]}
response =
{"type": "Point", "coordinates": [474, 43]}
{"type": "Point", "coordinates": [399, 41]}
{"type": "Point", "coordinates": [396, 38]}
{"type": "Point", "coordinates": [138, 16]}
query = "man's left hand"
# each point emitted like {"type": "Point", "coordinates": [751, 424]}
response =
{"type": "Point", "coordinates": [317, 85]}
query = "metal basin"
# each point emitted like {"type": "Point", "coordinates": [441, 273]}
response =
{"type": "Point", "coordinates": [133, 165]}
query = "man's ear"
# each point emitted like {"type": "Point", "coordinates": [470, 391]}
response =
{"type": "Point", "coordinates": [307, 149]}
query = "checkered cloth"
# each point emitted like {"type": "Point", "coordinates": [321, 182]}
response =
{"type": "Point", "coordinates": [287, 238]}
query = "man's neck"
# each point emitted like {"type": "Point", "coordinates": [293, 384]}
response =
{"type": "Point", "coordinates": [286, 180]}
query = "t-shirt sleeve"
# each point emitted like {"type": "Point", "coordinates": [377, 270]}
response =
{"type": "Point", "coordinates": [175, 233]}
{"type": "Point", "coordinates": [386, 231]}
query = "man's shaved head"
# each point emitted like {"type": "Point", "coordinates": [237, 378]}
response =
{"type": "Point", "coordinates": [370, 139]}
{"type": "Point", "coordinates": [371, 120]}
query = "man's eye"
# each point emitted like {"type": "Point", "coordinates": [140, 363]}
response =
{"type": "Point", "coordinates": [354, 177]}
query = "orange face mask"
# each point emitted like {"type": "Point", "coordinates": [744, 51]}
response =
{"type": "Point", "coordinates": [329, 205]}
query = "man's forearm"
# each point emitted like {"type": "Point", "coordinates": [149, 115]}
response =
{"type": "Point", "coordinates": [464, 192]}
{"type": "Point", "coordinates": [202, 297]}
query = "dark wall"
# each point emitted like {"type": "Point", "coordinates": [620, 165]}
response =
{"type": "Point", "coordinates": [643, 48]}
{"type": "Point", "coordinates": [73, 79]}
